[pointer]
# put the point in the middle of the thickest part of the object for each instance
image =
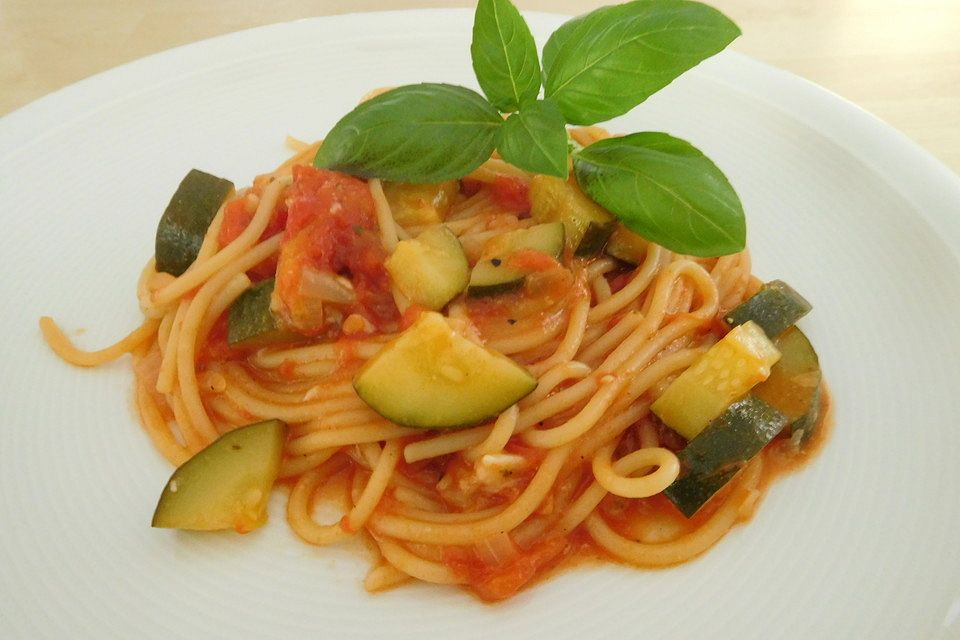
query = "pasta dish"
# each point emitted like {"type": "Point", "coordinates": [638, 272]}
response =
{"type": "Point", "coordinates": [487, 376]}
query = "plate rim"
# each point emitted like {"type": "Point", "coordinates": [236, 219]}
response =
{"type": "Point", "coordinates": [898, 149]}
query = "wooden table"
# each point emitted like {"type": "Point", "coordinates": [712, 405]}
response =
{"type": "Point", "coordinates": [899, 59]}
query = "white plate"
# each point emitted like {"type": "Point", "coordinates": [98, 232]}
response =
{"type": "Point", "coordinates": [861, 544]}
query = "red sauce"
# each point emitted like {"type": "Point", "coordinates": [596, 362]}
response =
{"type": "Point", "coordinates": [236, 218]}
{"type": "Point", "coordinates": [500, 581]}
{"type": "Point", "coordinates": [216, 348]}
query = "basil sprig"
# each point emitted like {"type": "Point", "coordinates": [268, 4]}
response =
{"type": "Point", "coordinates": [595, 67]}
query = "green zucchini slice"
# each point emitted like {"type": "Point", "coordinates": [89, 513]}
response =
{"type": "Point", "coordinates": [227, 484]}
{"type": "Point", "coordinates": [250, 323]}
{"type": "Point", "coordinates": [721, 450]}
{"type": "Point", "coordinates": [492, 277]}
{"type": "Point", "coordinates": [775, 308]}
{"type": "Point", "coordinates": [185, 221]}
{"type": "Point", "coordinates": [430, 269]}
{"type": "Point", "coordinates": [431, 377]}
{"type": "Point", "coordinates": [794, 383]}
{"type": "Point", "coordinates": [494, 274]}
{"type": "Point", "coordinates": [587, 224]}
{"type": "Point", "coordinates": [724, 374]}
{"type": "Point", "coordinates": [627, 246]}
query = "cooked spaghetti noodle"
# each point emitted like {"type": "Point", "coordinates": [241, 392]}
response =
{"type": "Point", "coordinates": [580, 463]}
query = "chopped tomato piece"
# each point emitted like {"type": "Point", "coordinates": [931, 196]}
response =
{"type": "Point", "coordinates": [331, 258]}
{"type": "Point", "coordinates": [511, 193]}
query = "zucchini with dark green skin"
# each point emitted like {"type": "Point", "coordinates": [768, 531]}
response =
{"type": "Point", "coordinates": [714, 457]}
{"type": "Point", "coordinates": [493, 274]}
{"type": "Point", "coordinates": [626, 246]}
{"type": "Point", "coordinates": [775, 308]}
{"type": "Point", "coordinates": [431, 377]}
{"type": "Point", "coordinates": [492, 278]}
{"type": "Point", "coordinates": [185, 221]}
{"type": "Point", "coordinates": [794, 383]}
{"type": "Point", "coordinates": [725, 373]}
{"type": "Point", "coordinates": [587, 224]}
{"type": "Point", "coordinates": [227, 484]}
{"type": "Point", "coordinates": [251, 323]}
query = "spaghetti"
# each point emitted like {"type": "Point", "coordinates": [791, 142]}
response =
{"type": "Point", "coordinates": [578, 465]}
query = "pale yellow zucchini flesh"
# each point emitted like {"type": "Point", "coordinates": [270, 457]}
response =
{"type": "Point", "coordinates": [227, 484]}
{"type": "Point", "coordinates": [725, 373]}
{"type": "Point", "coordinates": [431, 377]}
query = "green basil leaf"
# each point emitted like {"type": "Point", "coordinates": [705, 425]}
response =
{"type": "Point", "coordinates": [414, 133]}
{"type": "Point", "coordinates": [608, 61]}
{"type": "Point", "coordinates": [504, 55]}
{"type": "Point", "coordinates": [666, 190]}
{"type": "Point", "coordinates": [535, 139]}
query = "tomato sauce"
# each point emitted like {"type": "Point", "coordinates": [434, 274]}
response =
{"type": "Point", "coordinates": [237, 215]}
{"type": "Point", "coordinates": [494, 582]}
{"type": "Point", "coordinates": [216, 348]}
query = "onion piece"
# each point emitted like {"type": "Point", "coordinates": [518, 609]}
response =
{"type": "Point", "coordinates": [326, 287]}
{"type": "Point", "coordinates": [496, 550]}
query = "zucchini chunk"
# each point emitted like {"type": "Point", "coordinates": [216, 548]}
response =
{"type": "Point", "coordinates": [723, 374]}
{"type": "Point", "coordinates": [775, 308]}
{"type": "Point", "coordinates": [626, 246]}
{"type": "Point", "coordinates": [794, 383]}
{"type": "Point", "coordinates": [431, 377]}
{"type": "Point", "coordinates": [420, 204]}
{"type": "Point", "coordinates": [492, 277]}
{"type": "Point", "coordinates": [430, 269]}
{"type": "Point", "coordinates": [494, 274]}
{"type": "Point", "coordinates": [227, 484]}
{"type": "Point", "coordinates": [587, 224]}
{"type": "Point", "coordinates": [251, 323]}
{"type": "Point", "coordinates": [185, 221]}
{"type": "Point", "coordinates": [721, 450]}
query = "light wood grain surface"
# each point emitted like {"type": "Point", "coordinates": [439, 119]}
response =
{"type": "Point", "coordinates": [899, 59]}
